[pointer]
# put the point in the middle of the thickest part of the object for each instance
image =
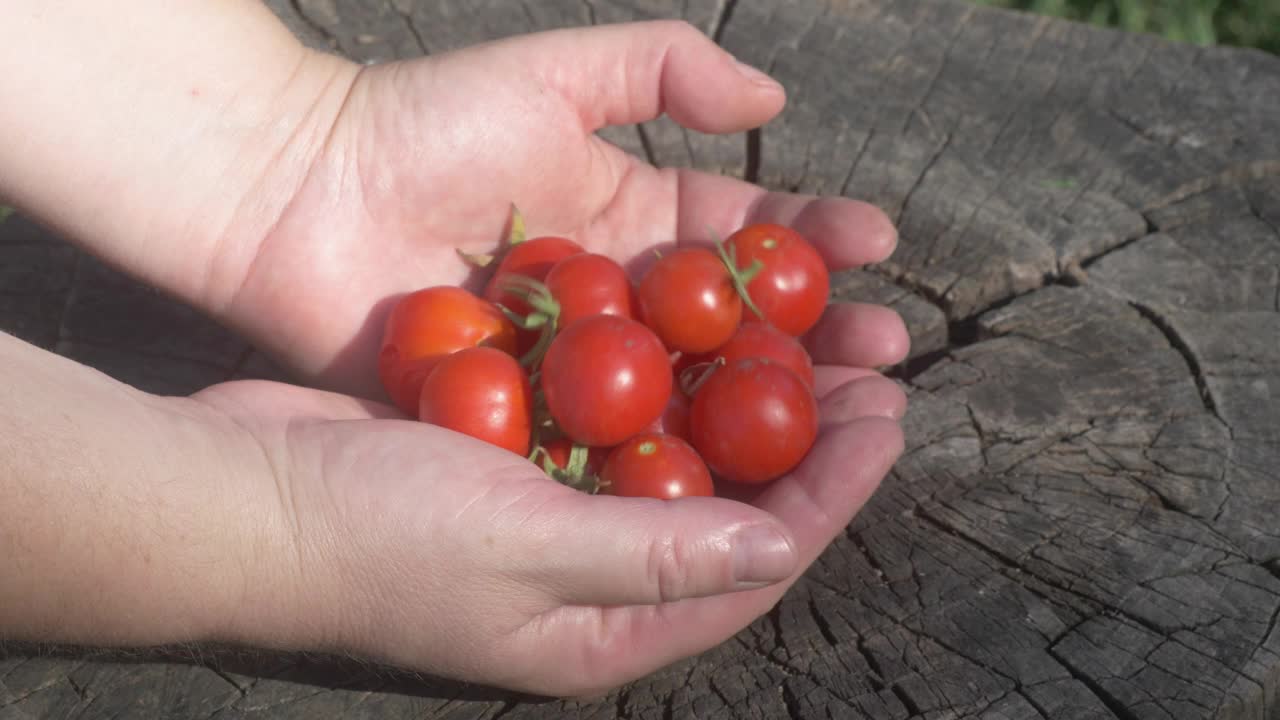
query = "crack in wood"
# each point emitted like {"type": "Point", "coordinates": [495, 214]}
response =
{"type": "Point", "coordinates": [943, 62]}
{"type": "Point", "coordinates": [646, 145]}
{"type": "Point", "coordinates": [1014, 565]}
{"type": "Point", "coordinates": [857, 158]}
{"type": "Point", "coordinates": [412, 27]}
{"type": "Point", "coordinates": [506, 708]}
{"type": "Point", "coordinates": [722, 20]}
{"type": "Point", "coordinates": [824, 627]}
{"type": "Point", "coordinates": [304, 16]}
{"type": "Point", "coordinates": [908, 702]}
{"type": "Point", "coordinates": [620, 704]}
{"type": "Point", "coordinates": [906, 198]}
{"type": "Point", "coordinates": [1233, 175]}
{"type": "Point", "coordinates": [1180, 346]}
{"type": "Point", "coordinates": [1151, 229]}
{"type": "Point", "coordinates": [792, 702]}
{"type": "Point", "coordinates": [1110, 701]}
{"type": "Point", "coordinates": [754, 141]}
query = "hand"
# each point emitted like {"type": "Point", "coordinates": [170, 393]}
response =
{"type": "Point", "coordinates": [426, 156]}
{"type": "Point", "coordinates": [369, 534]}
{"type": "Point", "coordinates": [406, 543]}
{"type": "Point", "coordinates": [449, 556]}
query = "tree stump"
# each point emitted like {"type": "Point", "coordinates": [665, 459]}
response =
{"type": "Point", "coordinates": [1084, 524]}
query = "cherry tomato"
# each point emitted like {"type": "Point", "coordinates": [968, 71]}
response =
{"type": "Point", "coordinates": [429, 324]}
{"type": "Point", "coordinates": [760, 340]}
{"type": "Point", "coordinates": [656, 466]}
{"type": "Point", "coordinates": [481, 392]}
{"type": "Point", "coordinates": [792, 290]}
{"type": "Point", "coordinates": [675, 418]}
{"type": "Point", "coordinates": [753, 420]}
{"type": "Point", "coordinates": [605, 379]}
{"type": "Point", "coordinates": [689, 300]}
{"type": "Point", "coordinates": [532, 258]}
{"type": "Point", "coordinates": [589, 284]}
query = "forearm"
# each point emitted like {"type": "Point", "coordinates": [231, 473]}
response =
{"type": "Point", "coordinates": [124, 518]}
{"type": "Point", "coordinates": [161, 136]}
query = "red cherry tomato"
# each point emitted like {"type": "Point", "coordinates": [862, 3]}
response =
{"type": "Point", "coordinates": [428, 325]}
{"type": "Point", "coordinates": [760, 340]}
{"type": "Point", "coordinates": [605, 379]}
{"type": "Point", "coordinates": [483, 393]}
{"type": "Point", "coordinates": [656, 466]}
{"type": "Point", "coordinates": [792, 290]}
{"type": "Point", "coordinates": [689, 300]}
{"type": "Point", "coordinates": [589, 284]}
{"type": "Point", "coordinates": [753, 420]}
{"type": "Point", "coordinates": [532, 258]}
{"type": "Point", "coordinates": [675, 418]}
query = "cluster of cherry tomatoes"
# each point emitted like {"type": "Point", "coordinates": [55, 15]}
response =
{"type": "Point", "coordinates": [644, 389]}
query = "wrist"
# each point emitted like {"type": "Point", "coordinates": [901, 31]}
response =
{"type": "Point", "coordinates": [158, 150]}
{"type": "Point", "coordinates": [125, 516]}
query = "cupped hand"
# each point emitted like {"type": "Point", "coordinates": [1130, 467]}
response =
{"type": "Point", "coordinates": [427, 156]}
{"type": "Point", "coordinates": [409, 544]}
{"type": "Point", "coordinates": [426, 549]}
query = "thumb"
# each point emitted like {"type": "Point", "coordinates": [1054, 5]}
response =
{"type": "Point", "coordinates": [629, 551]}
{"type": "Point", "coordinates": [634, 72]}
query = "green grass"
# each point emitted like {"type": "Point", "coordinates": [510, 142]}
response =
{"type": "Point", "coordinates": [5, 212]}
{"type": "Point", "coordinates": [1245, 23]}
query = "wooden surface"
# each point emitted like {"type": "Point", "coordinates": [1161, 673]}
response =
{"type": "Point", "coordinates": [1085, 524]}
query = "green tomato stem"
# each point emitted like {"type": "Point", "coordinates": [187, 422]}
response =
{"type": "Point", "coordinates": [695, 376]}
{"type": "Point", "coordinates": [739, 276]}
{"type": "Point", "coordinates": [532, 321]}
{"type": "Point", "coordinates": [545, 315]}
{"type": "Point", "coordinates": [532, 360]}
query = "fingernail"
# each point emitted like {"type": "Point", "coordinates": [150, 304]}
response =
{"type": "Point", "coordinates": [761, 555]}
{"type": "Point", "coordinates": [757, 77]}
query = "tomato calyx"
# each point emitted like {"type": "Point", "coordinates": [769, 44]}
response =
{"type": "Point", "coordinates": [740, 277]}
{"type": "Point", "coordinates": [515, 235]}
{"type": "Point", "coordinates": [544, 315]}
{"type": "Point", "coordinates": [576, 473]}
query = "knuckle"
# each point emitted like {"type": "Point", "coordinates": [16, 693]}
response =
{"type": "Point", "coordinates": [670, 570]}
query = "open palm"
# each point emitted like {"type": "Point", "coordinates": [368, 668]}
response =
{"type": "Point", "coordinates": [489, 570]}
{"type": "Point", "coordinates": [427, 156]}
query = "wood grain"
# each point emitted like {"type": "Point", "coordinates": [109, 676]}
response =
{"type": "Point", "coordinates": [1084, 522]}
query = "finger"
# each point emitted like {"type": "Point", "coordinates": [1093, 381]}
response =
{"type": "Point", "coordinates": [816, 502]}
{"type": "Point", "coordinates": [634, 72]}
{"type": "Point", "coordinates": [866, 397]}
{"type": "Point", "coordinates": [274, 400]}
{"type": "Point", "coordinates": [869, 395]}
{"type": "Point", "coordinates": [858, 334]}
{"type": "Point", "coordinates": [631, 551]}
{"type": "Point", "coordinates": [827, 378]}
{"type": "Point", "coordinates": [835, 480]}
{"type": "Point", "coordinates": [847, 233]}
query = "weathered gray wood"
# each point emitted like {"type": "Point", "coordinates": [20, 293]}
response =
{"type": "Point", "coordinates": [1084, 524]}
